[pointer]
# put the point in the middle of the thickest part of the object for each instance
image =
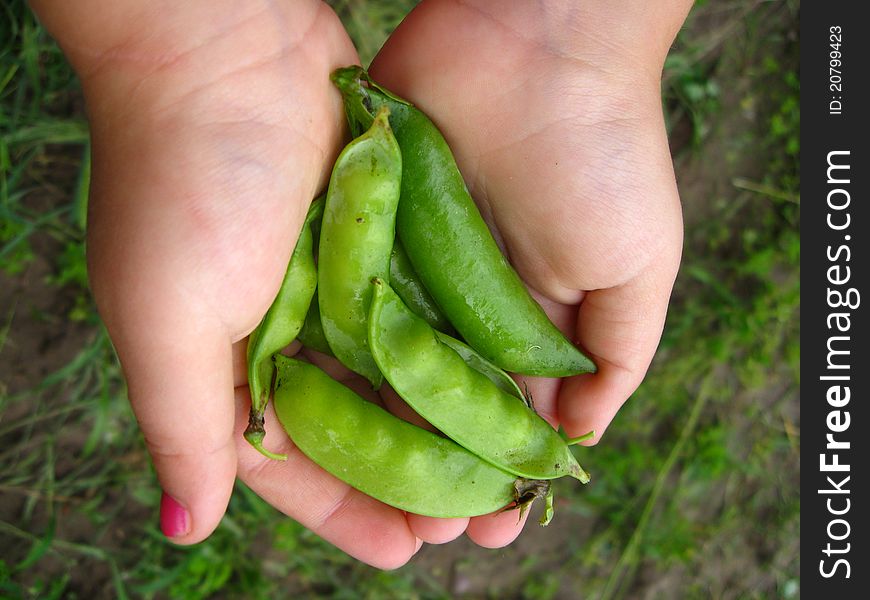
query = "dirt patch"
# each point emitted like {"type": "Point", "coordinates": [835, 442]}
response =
{"type": "Point", "coordinates": [40, 338]}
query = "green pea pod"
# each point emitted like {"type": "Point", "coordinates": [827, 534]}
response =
{"type": "Point", "coordinates": [356, 237]}
{"type": "Point", "coordinates": [458, 400]}
{"type": "Point", "coordinates": [474, 360]}
{"type": "Point", "coordinates": [452, 249]}
{"type": "Point", "coordinates": [409, 287]}
{"type": "Point", "coordinates": [279, 327]}
{"type": "Point", "coordinates": [406, 283]}
{"type": "Point", "coordinates": [311, 335]}
{"type": "Point", "coordinates": [383, 456]}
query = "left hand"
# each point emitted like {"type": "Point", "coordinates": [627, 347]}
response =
{"type": "Point", "coordinates": [554, 115]}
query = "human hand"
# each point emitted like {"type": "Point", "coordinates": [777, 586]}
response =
{"type": "Point", "coordinates": [213, 126]}
{"type": "Point", "coordinates": [553, 111]}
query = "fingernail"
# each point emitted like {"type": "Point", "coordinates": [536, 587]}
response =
{"type": "Point", "coordinates": [418, 545]}
{"type": "Point", "coordinates": [174, 518]}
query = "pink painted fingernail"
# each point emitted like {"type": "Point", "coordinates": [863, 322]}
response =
{"type": "Point", "coordinates": [174, 518]}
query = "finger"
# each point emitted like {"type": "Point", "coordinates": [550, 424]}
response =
{"type": "Point", "coordinates": [437, 531]}
{"type": "Point", "coordinates": [179, 376]}
{"type": "Point", "coordinates": [620, 327]}
{"type": "Point", "coordinates": [496, 530]}
{"type": "Point", "coordinates": [366, 529]}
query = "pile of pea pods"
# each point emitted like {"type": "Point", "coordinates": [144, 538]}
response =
{"type": "Point", "coordinates": [396, 274]}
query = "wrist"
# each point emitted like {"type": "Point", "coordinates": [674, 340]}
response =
{"type": "Point", "coordinates": [627, 38]}
{"type": "Point", "coordinates": [141, 36]}
{"type": "Point", "coordinates": [145, 57]}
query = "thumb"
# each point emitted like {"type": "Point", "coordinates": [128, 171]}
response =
{"type": "Point", "coordinates": [621, 328]}
{"type": "Point", "coordinates": [179, 374]}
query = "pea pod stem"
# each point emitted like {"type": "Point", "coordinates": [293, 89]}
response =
{"type": "Point", "coordinates": [549, 510]}
{"type": "Point", "coordinates": [255, 433]}
{"type": "Point", "coordinates": [583, 438]}
{"type": "Point", "coordinates": [526, 491]}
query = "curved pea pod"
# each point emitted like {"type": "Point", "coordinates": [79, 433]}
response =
{"type": "Point", "coordinates": [381, 455]}
{"type": "Point", "coordinates": [452, 249]}
{"type": "Point", "coordinates": [280, 325]}
{"type": "Point", "coordinates": [406, 283]}
{"type": "Point", "coordinates": [458, 400]}
{"type": "Point", "coordinates": [356, 237]}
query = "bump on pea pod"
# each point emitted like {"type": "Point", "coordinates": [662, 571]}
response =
{"type": "Point", "coordinates": [458, 400]}
{"type": "Point", "coordinates": [452, 249]}
{"type": "Point", "coordinates": [385, 457]}
{"type": "Point", "coordinates": [279, 327]}
{"type": "Point", "coordinates": [356, 237]}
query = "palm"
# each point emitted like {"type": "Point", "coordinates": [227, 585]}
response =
{"type": "Point", "coordinates": [219, 153]}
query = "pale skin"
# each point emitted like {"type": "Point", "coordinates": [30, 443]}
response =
{"type": "Point", "coordinates": [214, 125]}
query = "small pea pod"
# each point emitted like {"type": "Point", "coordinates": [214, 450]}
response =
{"type": "Point", "coordinates": [385, 457]}
{"type": "Point", "coordinates": [279, 327]}
{"type": "Point", "coordinates": [406, 283]}
{"type": "Point", "coordinates": [458, 400]}
{"type": "Point", "coordinates": [452, 249]}
{"type": "Point", "coordinates": [311, 335]}
{"type": "Point", "coordinates": [356, 237]}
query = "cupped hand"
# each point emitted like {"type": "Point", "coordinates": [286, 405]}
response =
{"type": "Point", "coordinates": [213, 124]}
{"type": "Point", "coordinates": [557, 127]}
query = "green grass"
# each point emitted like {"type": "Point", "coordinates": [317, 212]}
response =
{"type": "Point", "coordinates": [694, 489]}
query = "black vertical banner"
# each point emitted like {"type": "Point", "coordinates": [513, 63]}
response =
{"type": "Point", "coordinates": [835, 426]}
